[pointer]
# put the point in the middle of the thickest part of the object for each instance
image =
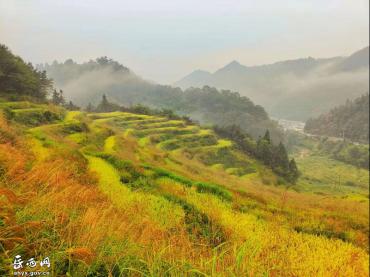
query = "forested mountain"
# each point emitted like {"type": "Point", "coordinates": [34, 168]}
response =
{"type": "Point", "coordinates": [349, 121]}
{"type": "Point", "coordinates": [87, 82]}
{"type": "Point", "coordinates": [292, 89]}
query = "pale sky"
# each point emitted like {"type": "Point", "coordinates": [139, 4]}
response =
{"type": "Point", "coordinates": [167, 39]}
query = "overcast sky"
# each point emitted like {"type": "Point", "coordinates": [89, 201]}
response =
{"type": "Point", "coordinates": [167, 39]}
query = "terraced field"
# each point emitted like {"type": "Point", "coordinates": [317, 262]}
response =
{"type": "Point", "coordinates": [122, 194]}
{"type": "Point", "coordinates": [174, 138]}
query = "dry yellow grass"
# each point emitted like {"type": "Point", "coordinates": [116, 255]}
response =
{"type": "Point", "coordinates": [76, 209]}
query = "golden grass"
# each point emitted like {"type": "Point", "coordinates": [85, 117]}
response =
{"type": "Point", "coordinates": [76, 209]}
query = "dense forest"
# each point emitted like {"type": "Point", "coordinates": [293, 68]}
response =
{"type": "Point", "coordinates": [17, 76]}
{"type": "Point", "coordinates": [86, 82]}
{"type": "Point", "coordinates": [349, 121]}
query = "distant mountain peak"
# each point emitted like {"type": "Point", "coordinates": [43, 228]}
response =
{"type": "Point", "coordinates": [357, 61]}
{"type": "Point", "coordinates": [232, 67]}
{"type": "Point", "coordinates": [200, 71]}
{"type": "Point", "coordinates": [199, 77]}
{"type": "Point", "coordinates": [234, 63]}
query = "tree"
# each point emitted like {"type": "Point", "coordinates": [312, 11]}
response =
{"type": "Point", "coordinates": [62, 100]}
{"type": "Point", "coordinates": [55, 97]}
{"type": "Point", "coordinates": [293, 171]}
{"type": "Point", "coordinates": [104, 100]}
{"type": "Point", "coordinates": [72, 107]}
{"type": "Point", "coordinates": [18, 78]}
{"type": "Point", "coordinates": [58, 97]}
{"type": "Point", "coordinates": [280, 159]}
{"type": "Point", "coordinates": [90, 108]}
{"type": "Point", "coordinates": [267, 136]}
{"type": "Point", "coordinates": [264, 151]}
{"type": "Point", "coordinates": [106, 106]}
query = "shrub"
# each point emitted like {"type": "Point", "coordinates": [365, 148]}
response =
{"type": "Point", "coordinates": [142, 183]}
{"type": "Point", "coordinates": [214, 189]}
{"type": "Point", "coordinates": [127, 170]}
{"type": "Point", "coordinates": [159, 172]}
{"type": "Point", "coordinates": [75, 127]}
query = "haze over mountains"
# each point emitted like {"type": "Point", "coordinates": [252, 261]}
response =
{"type": "Point", "coordinates": [294, 89]}
{"type": "Point", "coordinates": [86, 83]}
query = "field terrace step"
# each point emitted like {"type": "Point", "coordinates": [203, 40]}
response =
{"type": "Point", "coordinates": [167, 130]}
{"type": "Point", "coordinates": [188, 141]}
{"type": "Point", "coordinates": [18, 105]}
{"type": "Point", "coordinates": [160, 124]}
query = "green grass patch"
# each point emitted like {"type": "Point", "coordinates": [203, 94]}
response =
{"type": "Point", "coordinates": [128, 172]}
{"type": "Point", "coordinates": [201, 187]}
{"type": "Point", "coordinates": [325, 175]}
{"type": "Point", "coordinates": [199, 225]}
{"type": "Point", "coordinates": [160, 172]}
{"type": "Point", "coordinates": [74, 127]}
{"type": "Point", "coordinates": [220, 192]}
{"type": "Point", "coordinates": [35, 116]}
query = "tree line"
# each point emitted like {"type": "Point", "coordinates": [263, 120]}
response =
{"type": "Point", "coordinates": [18, 78]}
{"type": "Point", "coordinates": [263, 149]}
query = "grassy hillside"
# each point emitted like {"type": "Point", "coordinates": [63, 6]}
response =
{"type": "Point", "coordinates": [123, 194]}
{"type": "Point", "coordinates": [328, 167]}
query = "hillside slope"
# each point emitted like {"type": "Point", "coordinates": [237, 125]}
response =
{"type": "Point", "coordinates": [86, 82]}
{"type": "Point", "coordinates": [147, 196]}
{"type": "Point", "coordinates": [349, 121]}
{"type": "Point", "coordinates": [292, 89]}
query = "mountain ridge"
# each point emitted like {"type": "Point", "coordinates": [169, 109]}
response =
{"type": "Point", "coordinates": [87, 82]}
{"type": "Point", "coordinates": [284, 88]}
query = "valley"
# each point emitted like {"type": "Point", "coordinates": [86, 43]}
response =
{"type": "Point", "coordinates": [147, 195]}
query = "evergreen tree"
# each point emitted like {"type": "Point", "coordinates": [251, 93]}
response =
{"type": "Point", "coordinates": [264, 151]}
{"type": "Point", "coordinates": [267, 136]}
{"type": "Point", "coordinates": [62, 100]}
{"type": "Point", "coordinates": [72, 107]}
{"type": "Point", "coordinates": [55, 97]}
{"type": "Point", "coordinates": [104, 101]}
{"type": "Point", "coordinates": [90, 108]}
{"type": "Point", "coordinates": [58, 97]}
{"type": "Point", "coordinates": [281, 160]}
{"type": "Point", "coordinates": [106, 106]}
{"type": "Point", "coordinates": [18, 78]}
{"type": "Point", "coordinates": [293, 171]}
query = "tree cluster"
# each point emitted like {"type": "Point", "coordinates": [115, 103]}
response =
{"type": "Point", "coordinates": [57, 98]}
{"type": "Point", "coordinates": [18, 78]}
{"type": "Point", "coordinates": [273, 156]}
{"type": "Point", "coordinates": [349, 121]}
